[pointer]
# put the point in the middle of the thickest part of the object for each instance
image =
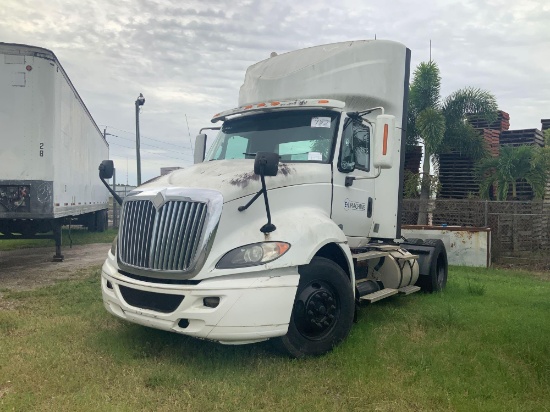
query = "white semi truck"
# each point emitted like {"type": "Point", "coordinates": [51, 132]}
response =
{"type": "Point", "coordinates": [319, 135]}
{"type": "Point", "coordinates": [50, 149]}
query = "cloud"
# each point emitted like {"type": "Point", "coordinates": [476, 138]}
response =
{"type": "Point", "coordinates": [189, 58]}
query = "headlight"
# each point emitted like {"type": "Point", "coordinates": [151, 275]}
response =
{"type": "Point", "coordinates": [113, 246]}
{"type": "Point", "coordinates": [252, 255]}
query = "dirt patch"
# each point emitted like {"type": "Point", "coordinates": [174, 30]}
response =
{"type": "Point", "coordinates": [27, 269]}
{"type": "Point", "coordinates": [243, 179]}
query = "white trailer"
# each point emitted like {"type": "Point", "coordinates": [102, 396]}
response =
{"type": "Point", "coordinates": [319, 133]}
{"type": "Point", "coordinates": [51, 147]}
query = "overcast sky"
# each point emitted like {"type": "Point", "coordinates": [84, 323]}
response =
{"type": "Point", "coordinates": [188, 58]}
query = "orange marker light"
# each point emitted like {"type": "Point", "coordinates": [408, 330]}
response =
{"type": "Point", "coordinates": [262, 105]}
{"type": "Point", "coordinates": [247, 107]}
{"type": "Point", "coordinates": [282, 247]}
{"type": "Point", "coordinates": [322, 101]}
{"type": "Point", "coordinates": [275, 103]}
{"type": "Point", "coordinates": [385, 142]}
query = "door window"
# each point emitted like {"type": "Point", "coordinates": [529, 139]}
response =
{"type": "Point", "coordinates": [355, 149]}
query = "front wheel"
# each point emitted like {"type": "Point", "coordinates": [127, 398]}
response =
{"type": "Point", "coordinates": [323, 310]}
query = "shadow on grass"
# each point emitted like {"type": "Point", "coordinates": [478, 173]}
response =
{"type": "Point", "coordinates": [129, 342]}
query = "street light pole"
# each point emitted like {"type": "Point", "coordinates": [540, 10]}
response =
{"type": "Point", "coordinates": [140, 101]}
{"type": "Point", "coordinates": [115, 204]}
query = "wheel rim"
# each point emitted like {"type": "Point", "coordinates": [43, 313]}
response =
{"type": "Point", "coordinates": [317, 310]}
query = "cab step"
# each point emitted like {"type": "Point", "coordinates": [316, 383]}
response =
{"type": "Point", "coordinates": [387, 292]}
{"type": "Point", "coordinates": [381, 294]}
{"type": "Point", "coordinates": [407, 290]}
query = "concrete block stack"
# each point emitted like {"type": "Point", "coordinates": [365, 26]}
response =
{"type": "Point", "coordinates": [491, 137]}
{"type": "Point", "coordinates": [456, 176]}
{"type": "Point", "coordinates": [491, 131]}
{"type": "Point", "coordinates": [522, 137]}
{"type": "Point", "coordinates": [501, 123]}
{"type": "Point", "coordinates": [456, 172]}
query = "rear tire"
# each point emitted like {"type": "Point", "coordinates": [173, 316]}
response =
{"type": "Point", "coordinates": [97, 221]}
{"type": "Point", "coordinates": [101, 220]}
{"type": "Point", "coordinates": [436, 280]}
{"type": "Point", "coordinates": [323, 310]}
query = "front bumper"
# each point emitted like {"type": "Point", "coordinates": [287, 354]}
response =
{"type": "Point", "coordinates": [253, 306]}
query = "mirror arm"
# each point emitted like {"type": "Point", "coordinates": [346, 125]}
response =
{"type": "Point", "coordinates": [115, 196]}
{"type": "Point", "coordinates": [349, 179]}
{"type": "Point", "coordinates": [268, 227]}
{"type": "Point", "coordinates": [209, 128]}
{"type": "Point", "coordinates": [257, 195]}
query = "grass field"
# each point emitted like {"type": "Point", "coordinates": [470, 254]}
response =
{"type": "Point", "coordinates": [79, 236]}
{"type": "Point", "coordinates": [483, 344]}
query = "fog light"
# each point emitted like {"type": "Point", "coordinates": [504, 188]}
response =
{"type": "Point", "coordinates": [183, 323]}
{"type": "Point", "coordinates": [211, 301]}
{"type": "Point", "coordinates": [109, 285]}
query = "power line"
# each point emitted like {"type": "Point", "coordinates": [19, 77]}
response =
{"type": "Point", "coordinates": [148, 151]}
{"type": "Point", "coordinates": [150, 138]}
{"type": "Point", "coordinates": [151, 145]}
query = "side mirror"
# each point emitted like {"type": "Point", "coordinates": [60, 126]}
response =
{"type": "Point", "coordinates": [106, 169]}
{"type": "Point", "coordinates": [200, 148]}
{"type": "Point", "coordinates": [384, 140]}
{"type": "Point", "coordinates": [266, 163]}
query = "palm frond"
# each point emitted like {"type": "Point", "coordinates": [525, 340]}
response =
{"type": "Point", "coordinates": [425, 88]}
{"type": "Point", "coordinates": [464, 139]}
{"type": "Point", "coordinates": [470, 100]}
{"type": "Point", "coordinates": [431, 125]}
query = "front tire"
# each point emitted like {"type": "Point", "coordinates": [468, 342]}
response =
{"type": "Point", "coordinates": [323, 310]}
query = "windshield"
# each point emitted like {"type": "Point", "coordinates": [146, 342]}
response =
{"type": "Point", "coordinates": [297, 136]}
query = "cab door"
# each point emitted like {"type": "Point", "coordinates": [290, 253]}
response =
{"type": "Point", "coordinates": [352, 205]}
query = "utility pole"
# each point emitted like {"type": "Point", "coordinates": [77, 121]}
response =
{"type": "Point", "coordinates": [140, 101]}
{"type": "Point", "coordinates": [115, 211]}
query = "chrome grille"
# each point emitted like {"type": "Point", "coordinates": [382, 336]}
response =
{"type": "Point", "coordinates": [163, 239]}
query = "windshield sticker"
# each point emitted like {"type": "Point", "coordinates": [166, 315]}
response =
{"type": "Point", "coordinates": [320, 122]}
{"type": "Point", "coordinates": [314, 156]}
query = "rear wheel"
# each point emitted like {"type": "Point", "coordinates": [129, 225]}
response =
{"type": "Point", "coordinates": [97, 221]}
{"type": "Point", "coordinates": [101, 220]}
{"type": "Point", "coordinates": [436, 280]}
{"type": "Point", "coordinates": [323, 310]}
{"type": "Point", "coordinates": [414, 241]}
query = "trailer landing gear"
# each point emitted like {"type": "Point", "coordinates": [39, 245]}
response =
{"type": "Point", "coordinates": [58, 257]}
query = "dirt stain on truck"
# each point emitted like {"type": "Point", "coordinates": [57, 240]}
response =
{"type": "Point", "coordinates": [242, 180]}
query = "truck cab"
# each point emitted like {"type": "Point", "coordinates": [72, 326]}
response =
{"type": "Point", "coordinates": [194, 254]}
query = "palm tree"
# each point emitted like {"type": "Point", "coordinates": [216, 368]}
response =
{"type": "Point", "coordinates": [442, 126]}
{"type": "Point", "coordinates": [528, 163]}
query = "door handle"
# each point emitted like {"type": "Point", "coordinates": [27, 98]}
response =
{"type": "Point", "coordinates": [369, 207]}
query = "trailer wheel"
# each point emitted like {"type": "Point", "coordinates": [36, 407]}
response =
{"type": "Point", "coordinates": [101, 218]}
{"type": "Point", "coordinates": [323, 310]}
{"type": "Point", "coordinates": [436, 280]}
{"type": "Point", "coordinates": [97, 221]}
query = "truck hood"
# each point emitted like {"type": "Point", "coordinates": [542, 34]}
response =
{"type": "Point", "coordinates": [236, 178]}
